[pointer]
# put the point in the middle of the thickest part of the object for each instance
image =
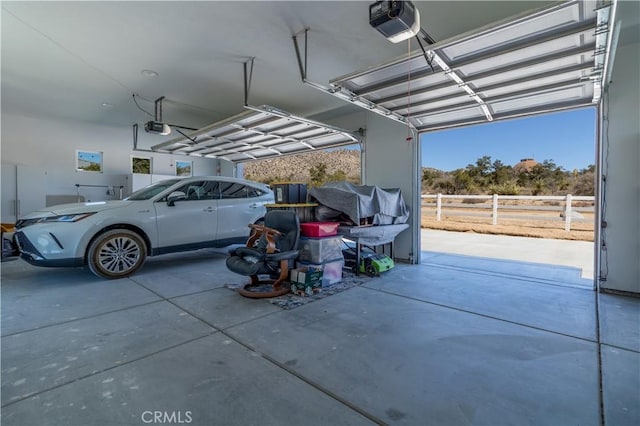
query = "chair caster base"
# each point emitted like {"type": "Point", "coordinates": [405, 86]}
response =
{"type": "Point", "coordinates": [264, 289]}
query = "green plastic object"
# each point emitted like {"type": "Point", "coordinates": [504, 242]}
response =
{"type": "Point", "coordinates": [373, 264]}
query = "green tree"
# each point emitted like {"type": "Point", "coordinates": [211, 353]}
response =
{"type": "Point", "coordinates": [507, 188]}
{"type": "Point", "coordinates": [183, 170]}
{"type": "Point", "coordinates": [584, 184]}
{"type": "Point", "coordinates": [141, 165]}
{"type": "Point", "coordinates": [523, 178]}
{"type": "Point", "coordinates": [539, 186]}
{"type": "Point", "coordinates": [463, 182]}
{"type": "Point", "coordinates": [337, 176]}
{"type": "Point", "coordinates": [480, 172]}
{"type": "Point", "coordinates": [500, 172]}
{"type": "Point", "coordinates": [548, 176]}
{"type": "Point", "coordinates": [483, 166]}
{"type": "Point", "coordinates": [556, 177]}
{"type": "Point", "coordinates": [92, 167]}
{"type": "Point", "coordinates": [591, 168]}
{"type": "Point", "coordinates": [487, 176]}
{"type": "Point", "coordinates": [429, 176]}
{"type": "Point", "coordinates": [444, 185]}
{"type": "Point", "coordinates": [318, 175]}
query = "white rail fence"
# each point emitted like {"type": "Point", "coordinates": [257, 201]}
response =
{"type": "Point", "coordinates": [564, 206]}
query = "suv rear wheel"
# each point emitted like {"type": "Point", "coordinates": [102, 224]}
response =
{"type": "Point", "coordinates": [116, 254]}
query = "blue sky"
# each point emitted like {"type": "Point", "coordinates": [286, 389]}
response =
{"type": "Point", "coordinates": [92, 157]}
{"type": "Point", "coordinates": [567, 138]}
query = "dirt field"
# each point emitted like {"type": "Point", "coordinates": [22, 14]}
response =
{"type": "Point", "coordinates": [526, 227]}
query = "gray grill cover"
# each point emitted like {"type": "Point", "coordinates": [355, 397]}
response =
{"type": "Point", "coordinates": [385, 206]}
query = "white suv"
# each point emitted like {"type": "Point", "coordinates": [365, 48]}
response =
{"type": "Point", "coordinates": [114, 237]}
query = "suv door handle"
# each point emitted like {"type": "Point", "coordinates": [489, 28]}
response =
{"type": "Point", "coordinates": [209, 209]}
{"type": "Point", "coordinates": [255, 205]}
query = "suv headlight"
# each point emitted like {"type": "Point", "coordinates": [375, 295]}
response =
{"type": "Point", "coordinates": [66, 217]}
{"type": "Point", "coordinates": [62, 218]}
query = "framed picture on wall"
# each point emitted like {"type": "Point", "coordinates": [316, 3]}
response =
{"type": "Point", "coordinates": [141, 165]}
{"type": "Point", "coordinates": [184, 168]}
{"type": "Point", "coordinates": [89, 161]}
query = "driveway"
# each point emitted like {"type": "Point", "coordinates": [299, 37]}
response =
{"type": "Point", "coordinates": [577, 254]}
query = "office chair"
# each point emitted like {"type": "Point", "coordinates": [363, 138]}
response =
{"type": "Point", "coordinates": [270, 249]}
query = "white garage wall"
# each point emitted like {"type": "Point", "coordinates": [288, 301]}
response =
{"type": "Point", "coordinates": [620, 263]}
{"type": "Point", "coordinates": [48, 149]}
{"type": "Point", "coordinates": [392, 161]}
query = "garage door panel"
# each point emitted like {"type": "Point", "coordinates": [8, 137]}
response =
{"type": "Point", "coordinates": [547, 60]}
{"type": "Point", "coordinates": [567, 79]}
{"type": "Point", "coordinates": [399, 85]}
{"type": "Point", "coordinates": [558, 69]}
{"type": "Point", "coordinates": [540, 50]}
{"type": "Point", "coordinates": [518, 31]}
{"type": "Point", "coordinates": [418, 108]}
{"type": "Point", "coordinates": [549, 98]}
{"type": "Point", "coordinates": [358, 83]}
{"type": "Point", "coordinates": [441, 96]}
{"type": "Point", "coordinates": [259, 132]}
{"type": "Point", "coordinates": [443, 117]}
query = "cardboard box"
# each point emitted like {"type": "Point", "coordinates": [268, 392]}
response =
{"type": "Point", "coordinates": [306, 280]}
{"type": "Point", "coordinates": [331, 270]}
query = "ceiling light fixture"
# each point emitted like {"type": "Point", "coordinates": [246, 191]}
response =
{"type": "Point", "coordinates": [149, 73]}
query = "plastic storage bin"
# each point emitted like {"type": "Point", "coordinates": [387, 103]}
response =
{"type": "Point", "coordinates": [332, 272]}
{"type": "Point", "coordinates": [319, 229]}
{"type": "Point", "coordinates": [320, 250]}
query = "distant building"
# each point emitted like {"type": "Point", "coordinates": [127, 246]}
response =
{"type": "Point", "coordinates": [525, 165]}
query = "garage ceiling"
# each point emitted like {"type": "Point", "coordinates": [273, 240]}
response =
{"type": "Point", "coordinates": [64, 60]}
{"type": "Point", "coordinates": [84, 61]}
{"type": "Point", "coordinates": [549, 60]}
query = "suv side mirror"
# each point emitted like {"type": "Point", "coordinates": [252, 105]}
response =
{"type": "Point", "coordinates": [175, 196]}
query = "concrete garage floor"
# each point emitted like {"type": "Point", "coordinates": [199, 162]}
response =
{"type": "Point", "coordinates": [458, 340]}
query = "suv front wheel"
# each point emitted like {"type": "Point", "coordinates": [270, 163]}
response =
{"type": "Point", "coordinates": [116, 254]}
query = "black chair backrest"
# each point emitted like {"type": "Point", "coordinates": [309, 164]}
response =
{"type": "Point", "coordinates": [287, 222]}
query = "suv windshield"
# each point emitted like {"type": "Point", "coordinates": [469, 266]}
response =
{"type": "Point", "coordinates": [152, 190]}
